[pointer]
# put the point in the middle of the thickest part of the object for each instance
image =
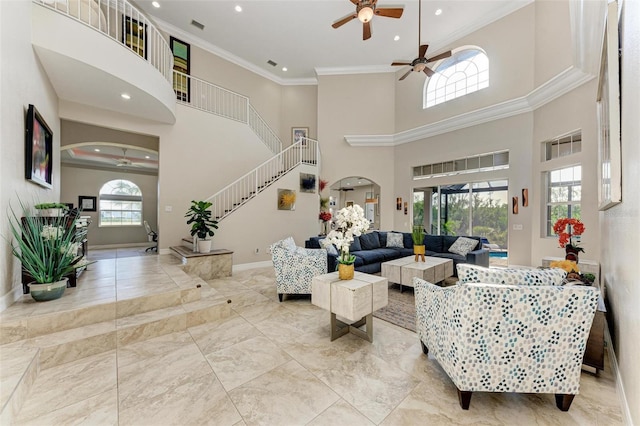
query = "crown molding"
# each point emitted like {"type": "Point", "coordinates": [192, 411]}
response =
{"type": "Point", "coordinates": [369, 69]}
{"type": "Point", "coordinates": [557, 86]}
{"type": "Point", "coordinates": [224, 54]}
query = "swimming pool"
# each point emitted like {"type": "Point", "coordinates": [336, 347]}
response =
{"type": "Point", "coordinates": [498, 254]}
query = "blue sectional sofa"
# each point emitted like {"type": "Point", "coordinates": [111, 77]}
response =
{"type": "Point", "coordinates": [371, 251]}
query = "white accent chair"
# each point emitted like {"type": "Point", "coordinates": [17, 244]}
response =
{"type": "Point", "coordinates": [296, 266]}
{"type": "Point", "coordinates": [507, 338]}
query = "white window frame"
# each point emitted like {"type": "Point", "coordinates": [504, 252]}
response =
{"type": "Point", "coordinates": [104, 196]}
{"type": "Point", "coordinates": [456, 76]}
{"type": "Point", "coordinates": [571, 204]}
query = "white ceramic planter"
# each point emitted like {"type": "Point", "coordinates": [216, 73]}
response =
{"type": "Point", "coordinates": [204, 246]}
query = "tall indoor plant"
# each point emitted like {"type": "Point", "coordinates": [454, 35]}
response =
{"type": "Point", "coordinates": [350, 222]}
{"type": "Point", "coordinates": [47, 250]}
{"type": "Point", "coordinates": [202, 225]}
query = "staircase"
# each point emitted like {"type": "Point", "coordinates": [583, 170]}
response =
{"type": "Point", "coordinates": [148, 297]}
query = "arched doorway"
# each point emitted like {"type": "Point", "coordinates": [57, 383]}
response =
{"type": "Point", "coordinates": [357, 190]}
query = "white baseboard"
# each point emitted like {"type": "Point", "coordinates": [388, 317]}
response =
{"type": "Point", "coordinates": [624, 405]}
{"type": "Point", "coordinates": [126, 245]}
{"type": "Point", "coordinates": [10, 298]}
{"type": "Point", "coordinates": [253, 265]}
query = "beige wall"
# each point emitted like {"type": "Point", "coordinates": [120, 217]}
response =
{"type": "Point", "coordinates": [620, 225]}
{"type": "Point", "coordinates": [553, 42]}
{"type": "Point", "coordinates": [22, 82]}
{"type": "Point", "coordinates": [87, 181]}
{"type": "Point", "coordinates": [73, 132]}
{"type": "Point", "coordinates": [509, 44]}
{"type": "Point", "coordinates": [299, 109]}
{"type": "Point", "coordinates": [348, 105]}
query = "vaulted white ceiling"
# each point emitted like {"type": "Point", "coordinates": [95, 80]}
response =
{"type": "Point", "coordinates": [297, 34]}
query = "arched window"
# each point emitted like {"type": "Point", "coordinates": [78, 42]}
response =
{"type": "Point", "coordinates": [120, 203]}
{"type": "Point", "coordinates": [464, 72]}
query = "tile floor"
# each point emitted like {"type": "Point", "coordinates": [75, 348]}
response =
{"type": "Point", "coordinates": [272, 363]}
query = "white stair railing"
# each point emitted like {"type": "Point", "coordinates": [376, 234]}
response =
{"type": "Point", "coordinates": [208, 97]}
{"type": "Point", "coordinates": [245, 188]}
{"type": "Point", "coordinates": [123, 23]}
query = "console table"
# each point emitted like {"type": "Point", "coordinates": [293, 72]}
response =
{"type": "Point", "coordinates": [585, 265]}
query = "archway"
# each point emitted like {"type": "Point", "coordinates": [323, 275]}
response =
{"type": "Point", "coordinates": [357, 190]}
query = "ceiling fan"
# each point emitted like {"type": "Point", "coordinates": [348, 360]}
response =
{"type": "Point", "coordinates": [124, 161]}
{"type": "Point", "coordinates": [365, 9]}
{"type": "Point", "coordinates": [419, 64]}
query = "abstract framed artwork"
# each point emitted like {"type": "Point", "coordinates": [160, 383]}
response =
{"type": "Point", "coordinates": [299, 134]}
{"type": "Point", "coordinates": [87, 203]}
{"type": "Point", "coordinates": [181, 63]}
{"type": "Point", "coordinates": [525, 197]}
{"type": "Point", "coordinates": [38, 149]}
{"type": "Point", "coordinates": [286, 199]}
{"type": "Point", "coordinates": [134, 35]}
{"type": "Point", "coordinates": [608, 102]}
{"type": "Point", "coordinates": [514, 205]}
{"type": "Point", "coordinates": [307, 182]}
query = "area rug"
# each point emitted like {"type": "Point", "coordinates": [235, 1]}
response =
{"type": "Point", "coordinates": [401, 309]}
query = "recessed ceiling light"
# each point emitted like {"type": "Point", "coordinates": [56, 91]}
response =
{"type": "Point", "coordinates": [125, 96]}
{"type": "Point", "coordinates": [238, 8]}
{"type": "Point", "coordinates": [155, 4]}
{"type": "Point", "coordinates": [438, 12]}
{"type": "Point", "coordinates": [396, 38]}
{"type": "Point", "coordinates": [147, 157]}
{"type": "Point", "coordinates": [284, 69]}
{"type": "Point", "coordinates": [96, 149]}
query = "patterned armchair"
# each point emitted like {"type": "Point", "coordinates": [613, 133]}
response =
{"type": "Point", "coordinates": [296, 266]}
{"type": "Point", "coordinates": [468, 273]}
{"type": "Point", "coordinates": [506, 338]}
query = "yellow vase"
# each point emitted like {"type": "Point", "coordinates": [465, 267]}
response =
{"type": "Point", "coordinates": [419, 252]}
{"type": "Point", "coordinates": [345, 272]}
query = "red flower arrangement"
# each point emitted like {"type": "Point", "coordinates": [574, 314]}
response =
{"type": "Point", "coordinates": [564, 237]}
{"type": "Point", "coordinates": [324, 216]}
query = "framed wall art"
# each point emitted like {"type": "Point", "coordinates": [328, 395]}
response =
{"type": "Point", "coordinates": [134, 35]}
{"type": "Point", "coordinates": [87, 204]}
{"type": "Point", "coordinates": [299, 134]}
{"type": "Point", "coordinates": [286, 199]}
{"type": "Point", "coordinates": [307, 182]}
{"type": "Point", "coordinates": [38, 149]}
{"type": "Point", "coordinates": [608, 101]}
{"type": "Point", "coordinates": [181, 63]}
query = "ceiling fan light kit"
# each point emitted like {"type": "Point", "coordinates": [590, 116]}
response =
{"type": "Point", "coordinates": [365, 10]}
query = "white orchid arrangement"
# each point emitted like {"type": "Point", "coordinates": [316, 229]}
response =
{"type": "Point", "coordinates": [350, 222]}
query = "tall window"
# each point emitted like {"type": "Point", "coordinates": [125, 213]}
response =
{"type": "Point", "coordinates": [120, 203]}
{"type": "Point", "coordinates": [564, 191]}
{"type": "Point", "coordinates": [464, 72]}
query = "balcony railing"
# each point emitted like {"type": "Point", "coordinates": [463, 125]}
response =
{"type": "Point", "coordinates": [122, 22]}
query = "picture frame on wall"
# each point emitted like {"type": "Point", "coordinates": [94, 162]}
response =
{"type": "Point", "coordinates": [181, 63]}
{"type": "Point", "coordinates": [608, 107]}
{"type": "Point", "coordinates": [87, 203]}
{"type": "Point", "coordinates": [299, 134]}
{"type": "Point", "coordinates": [38, 149]}
{"type": "Point", "coordinates": [134, 35]}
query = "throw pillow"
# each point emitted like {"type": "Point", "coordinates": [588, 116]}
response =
{"type": "Point", "coordinates": [289, 244]}
{"type": "Point", "coordinates": [394, 239]}
{"type": "Point", "coordinates": [463, 245]}
{"type": "Point", "coordinates": [369, 241]}
{"type": "Point", "coordinates": [331, 249]}
{"type": "Point", "coordinates": [355, 245]}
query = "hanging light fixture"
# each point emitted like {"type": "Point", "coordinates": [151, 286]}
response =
{"type": "Point", "coordinates": [365, 14]}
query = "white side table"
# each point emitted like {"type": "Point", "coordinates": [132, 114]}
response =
{"type": "Point", "coordinates": [585, 265]}
{"type": "Point", "coordinates": [354, 300]}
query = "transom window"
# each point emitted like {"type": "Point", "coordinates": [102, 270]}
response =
{"type": "Point", "coordinates": [564, 193]}
{"type": "Point", "coordinates": [120, 203]}
{"type": "Point", "coordinates": [464, 72]}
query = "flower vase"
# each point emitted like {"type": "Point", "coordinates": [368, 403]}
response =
{"type": "Point", "coordinates": [47, 291]}
{"type": "Point", "coordinates": [571, 253]}
{"type": "Point", "coordinates": [345, 272]}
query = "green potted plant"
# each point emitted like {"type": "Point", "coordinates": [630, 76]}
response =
{"type": "Point", "coordinates": [47, 250]}
{"type": "Point", "coordinates": [202, 225]}
{"type": "Point", "coordinates": [50, 209]}
{"type": "Point", "coordinates": [417, 235]}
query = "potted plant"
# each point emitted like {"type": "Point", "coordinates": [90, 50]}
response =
{"type": "Point", "coordinates": [202, 225]}
{"type": "Point", "coordinates": [417, 235]}
{"type": "Point", "coordinates": [50, 209]}
{"type": "Point", "coordinates": [568, 231]}
{"type": "Point", "coordinates": [47, 250]}
{"type": "Point", "coordinates": [350, 222]}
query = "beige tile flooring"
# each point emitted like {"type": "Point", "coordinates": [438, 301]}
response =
{"type": "Point", "coordinates": [272, 363]}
